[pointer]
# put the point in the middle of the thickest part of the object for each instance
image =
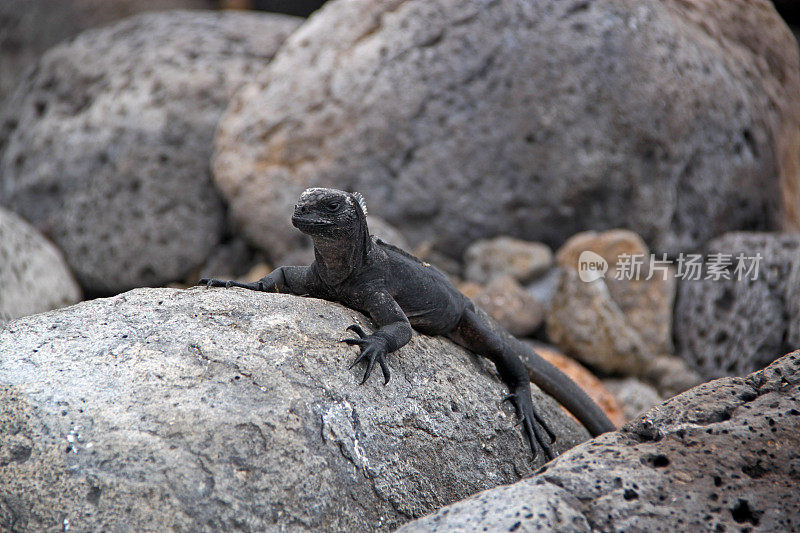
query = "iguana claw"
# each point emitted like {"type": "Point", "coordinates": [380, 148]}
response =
{"type": "Point", "coordinates": [373, 349]}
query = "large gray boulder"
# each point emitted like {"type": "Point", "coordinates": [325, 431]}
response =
{"type": "Point", "coordinates": [110, 136]}
{"type": "Point", "coordinates": [732, 325]}
{"type": "Point", "coordinates": [463, 120]}
{"type": "Point", "coordinates": [33, 274]}
{"type": "Point", "coordinates": [724, 456]}
{"type": "Point", "coordinates": [29, 27]}
{"type": "Point", "coordinates": [217, 410]}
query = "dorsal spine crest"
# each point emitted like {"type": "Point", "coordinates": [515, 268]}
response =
{"type": "Point", "coordinates": [363, 203]}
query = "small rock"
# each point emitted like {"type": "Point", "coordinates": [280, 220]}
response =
{"type": "Point", "coordinates": [33, 274]}
{"type": "Point", "coordinates": [730, 326]}
{"type": "Point", "coordinates": [544, 287]}
{"type": "Point", "coordinates": [639, 310]}
{"type": "Point", "coordinates": [633, 395]}
{"type": "Point", "coordinates": [587, 324]}
{"type": "Point", "coordinates": [611, 245]}
{"type": "Point", "coordinates": [671, 375]}
{"type": "Point", "coordinates": [511, 306]}
{"type": "Point", "coordinates": [485, 260]}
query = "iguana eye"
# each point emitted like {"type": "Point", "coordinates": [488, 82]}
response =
{"type": "Point", "coordinates": [333, 206]}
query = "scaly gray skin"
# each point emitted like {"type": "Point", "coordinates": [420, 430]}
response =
{"type": "Point", "coordinates": [400, 292]}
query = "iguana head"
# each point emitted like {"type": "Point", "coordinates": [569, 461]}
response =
{"type": "Point", "coordinates": [329, 213]}
{"type": "Point", "coordinates": [337, 223]}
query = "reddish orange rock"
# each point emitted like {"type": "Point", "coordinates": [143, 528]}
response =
{"type": "Point", "coordinates": [585, 380]}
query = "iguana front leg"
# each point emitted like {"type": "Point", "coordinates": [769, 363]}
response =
{"type": "Point", "coordinates": [393, 333]}
{"type": "Point", "coordinates": [286, 279]}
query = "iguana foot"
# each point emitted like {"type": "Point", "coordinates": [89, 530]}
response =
{"type": "Point", "coordinates": [373, 348]}
{"type": "Point", "coordinates": [536, 429]}
{"type": "Point", "coordinates": [213, 282]}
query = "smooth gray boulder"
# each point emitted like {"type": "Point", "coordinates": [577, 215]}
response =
{"type": "Point", "coordinates": [724, 456]}
{"type": "Point", "coordinates": [220, 410]}
{"type": "Point", "coordinates": [107, 141]}
{"type": "Point", "coordinates": [33, 274]}
{"type": "Point", "coordinates": [461, 120]}
{"type": "Point", "coordinates": [736, 322]}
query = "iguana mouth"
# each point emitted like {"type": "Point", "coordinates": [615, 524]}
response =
{"type": "Point", "coordinates": [301, 222]}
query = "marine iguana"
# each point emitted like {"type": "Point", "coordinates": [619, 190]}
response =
{"type": "Point", "coordinates": [398, 291]}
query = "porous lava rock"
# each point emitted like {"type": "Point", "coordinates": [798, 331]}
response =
{"type": "Point", "coordinates": [724, 456]}
{"type": "Point", "coordinates": [107, 141]}
{"type": "Point", "coordinates": [732, 320]}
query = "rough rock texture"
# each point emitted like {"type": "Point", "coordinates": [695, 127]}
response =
{"type": "Point", "coordinates": [33, 274]}
{"type": "Point", "coordinates": [734, 326]}
{"type": "Point", "coordinates": [217, 410]}
{"type": "Point", "coordinates": [585, 323]}
{"type": "Point", "coordinates": [507, 302]}
{"type": "Point", "coordinates": [585, 379]}
{"type": "Point", "coordinates": [646, 303]}
{"type": "Point", "coordinates": [618, 320]}
{"type": "Point", "coordinates": [504, 256]}
{"type": "Point", "coordinates": [724, 456]}
{"type": "Point", "coordinates": [107, 141]}
{"type": "Point", "coordinates": [29, 27]}
{"type": "Point", "coordinates": [465, 120]}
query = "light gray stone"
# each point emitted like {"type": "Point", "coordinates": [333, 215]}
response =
{"type": "Point", "coordinates": [111, 138]}
{"type": "Point", "coordinates": [507, 302]}
{"type": "Point", "coordinates": [729, 327]}
{"type": "Point", "coordinates": [720, 457]}
{"type": "Point", "coordinates": [671, 375]}
{"type": "Point", "coordinates": [633, 395]}
{"type": "Point", "coordinates": [462, 120]}
{"type": "Point", "coordinates": [216, 410]}
{"type": "Point", "coordinates": [33, 274]}
{"type": "Point", "coordinates": [487, 259]}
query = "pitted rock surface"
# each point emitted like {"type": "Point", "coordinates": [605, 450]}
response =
{"type": "Point", "coordinates": [465, 120]}
{"type": "Point", "coordinates": [724, 456]}
{"type": "Point", "coordinates": [737, 323]}
{"type": "Point", "coordinates": [214, 409]}
{"type": "Point", "coordinates": [110, 136]}
{"type": "Point", "coordinates": [33, 274]}
{"type": "Point", "coordinates": [30, 27]}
